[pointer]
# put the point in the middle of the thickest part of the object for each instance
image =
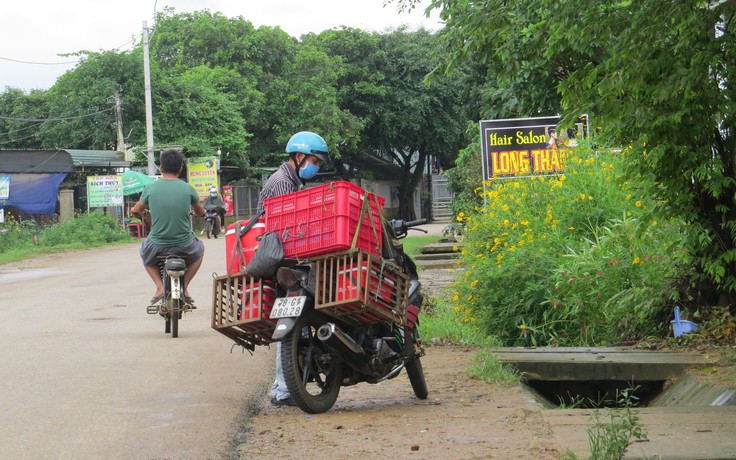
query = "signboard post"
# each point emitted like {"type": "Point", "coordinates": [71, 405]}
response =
{"type": "Point", "coordinates": [4, 195]}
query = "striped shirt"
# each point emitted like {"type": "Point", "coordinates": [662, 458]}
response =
{"type": "Point", "coordinates": [281, 182]}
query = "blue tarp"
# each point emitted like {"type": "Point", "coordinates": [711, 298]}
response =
{"type": "Point", "coordinates": [34, 193]}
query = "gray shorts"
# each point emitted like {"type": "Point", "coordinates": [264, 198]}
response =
{"type": "Point", "coordinates": [191, 252]}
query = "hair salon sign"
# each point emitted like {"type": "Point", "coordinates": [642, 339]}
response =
{"type": "Point", "coordinates": [526, 146]}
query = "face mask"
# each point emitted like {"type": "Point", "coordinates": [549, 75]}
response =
{"type": "Point", "coordinates": [213, 194]}
{"type": "Point", "coordinates": [308, 171]}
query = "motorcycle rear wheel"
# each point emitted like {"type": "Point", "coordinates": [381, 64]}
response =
{"type": "Point", "coordinates": [174, 312]}
{"type": "Point", "coordinates": [312, 376]}
{"type": "Point", "coordinates": [416, 373]}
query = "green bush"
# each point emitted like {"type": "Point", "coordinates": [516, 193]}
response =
{"type": "Point", "coordinates": [93, 228]}
{"type": "Point", "coordinates": [576, 259]}
{"type": "Point", "coordinates": [14, 234]}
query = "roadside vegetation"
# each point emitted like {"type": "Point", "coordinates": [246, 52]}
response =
{"type": "Point", "coordinates": [20, 240]}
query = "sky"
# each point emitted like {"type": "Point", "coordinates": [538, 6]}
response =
{"type": "Point", "coordinates": [33, 33]}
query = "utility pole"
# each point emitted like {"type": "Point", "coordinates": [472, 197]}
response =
{"type": "Point", "coordinates": [119, 123]}
{"type": "Point", "coordinates": [149, 110]}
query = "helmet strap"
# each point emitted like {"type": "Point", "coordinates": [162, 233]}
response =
{"type": "Point", "coordinates": [299, 166]}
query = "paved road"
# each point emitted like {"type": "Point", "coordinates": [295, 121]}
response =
{"type": "Point", "coordinates": [86, 373]}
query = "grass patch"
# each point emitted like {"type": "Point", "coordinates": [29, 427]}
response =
{"type": "Point", "coordinates": [487, 367]}
{"type": "Point", "coordinates": [414, 244]}
{"type": "Point", "coordinates": [440, 323]}
{"type": "Point", "coordinates": [21, 240]}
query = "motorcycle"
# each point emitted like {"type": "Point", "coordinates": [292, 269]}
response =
{"type": "Point", "coordinates": [211, 222]}
{"type": "Point", "coordinates": [342, 319]}
{"type": "Point", "coordinates": [173, 304]}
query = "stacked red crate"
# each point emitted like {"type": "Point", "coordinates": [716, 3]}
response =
{"type": "Point", "coordinates": [326, 219]}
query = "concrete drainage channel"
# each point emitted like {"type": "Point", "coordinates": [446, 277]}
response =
{"type": "Point", "coordinates": [685, 418]}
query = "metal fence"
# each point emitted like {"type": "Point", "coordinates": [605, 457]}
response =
{"type": "Point", "coordinates": [245, 201]}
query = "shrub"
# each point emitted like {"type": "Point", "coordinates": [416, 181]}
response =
{"type": "Point", "coordinates": [93, 228]}
{"type": "Point", "coordinates": [567, 259]}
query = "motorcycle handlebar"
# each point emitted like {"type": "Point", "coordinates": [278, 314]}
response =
{"type": "Point", "coordinates": [400, 227]}
{"type": "Point", "coordinates": [414, 223]}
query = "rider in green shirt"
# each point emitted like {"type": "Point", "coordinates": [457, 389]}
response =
{"type": "Point", "coordinates": [170, 201]}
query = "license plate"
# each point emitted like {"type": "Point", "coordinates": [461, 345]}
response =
{"type": "Point", "coordinates": [286, 307]}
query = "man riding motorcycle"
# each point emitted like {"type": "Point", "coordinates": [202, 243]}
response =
{"type": "Point", "coordinates": [214, 202]}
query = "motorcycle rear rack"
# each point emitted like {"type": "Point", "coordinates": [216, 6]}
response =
{"type": "Point", "coordinates": [240, 309]}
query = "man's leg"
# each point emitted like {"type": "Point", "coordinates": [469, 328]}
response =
{"type": "Point", "coordinates": [149, 252]}
{"type": "Point", "coordinates": [194, 249]}
{"type": "Point", "coordinates": [190, 272]}
{"type": "Point", "coordinates": [279, 391]}
{"type": "Point", "coordinates": [155, 275]}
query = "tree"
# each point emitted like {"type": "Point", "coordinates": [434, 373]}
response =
{"type": "Point", "coordinates": [405, 120]}
{"type": "Point", "coordinates": [80, 104]}
{"type": "Point", "coordinates": [21, 115]}
{"type": "Point", "coordinates": [655, 76]}
{"type": "Point", "coordinates": [193, 111]}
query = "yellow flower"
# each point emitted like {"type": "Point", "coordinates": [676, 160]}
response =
{"type": "Point", "coordinates": [571, 228]}
{"type": "Point", "coordinates": [522, 326]}
{"type": "Point", "coordinates": [638, 204]}
{"type": "Point", "coordinates": [636, 261]}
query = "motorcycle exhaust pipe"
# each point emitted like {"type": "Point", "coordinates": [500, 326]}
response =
{"type": "Point", "coordinates": [352, 353]}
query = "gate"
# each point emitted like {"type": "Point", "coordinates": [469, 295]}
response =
{"type": "Point", "coordinates": [441, 199]}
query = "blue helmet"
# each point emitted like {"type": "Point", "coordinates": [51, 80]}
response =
{"type": "Point", "coordinates": [309, 143]}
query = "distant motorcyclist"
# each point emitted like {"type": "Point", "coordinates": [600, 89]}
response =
{"type": "Point", "coordinates": [214, 202]}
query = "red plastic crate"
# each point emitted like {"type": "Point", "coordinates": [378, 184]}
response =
{"type": "Point", "coordinates": [324, 219]}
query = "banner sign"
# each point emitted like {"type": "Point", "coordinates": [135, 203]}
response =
{"type": "Point", "coordinates": [202, 174]}
{"type": "Point", "coordinates": [227, 199]}
{"type": "Point", "coordinates": [526, 146]}
{"type": "Point", "coordinates": [103, 191]}
{"type": "Point", "coordinates": [4, 187]}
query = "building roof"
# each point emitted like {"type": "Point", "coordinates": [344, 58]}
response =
{"type": "Point", "coordinates": [35, 161]}
{"type": "Point", "coordinates": [98, 159]}
{"type": "Point", "coordinates": [54, 161]}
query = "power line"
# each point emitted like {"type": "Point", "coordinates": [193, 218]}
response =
{"type": "Point", "coordinates": [38, 63]}
{"type": "Point", "coordinates": [58, 118]}
{"type": "Point", "coordinates": [17, 139]}
{"type": "Point", "coordinates": [12, 131]}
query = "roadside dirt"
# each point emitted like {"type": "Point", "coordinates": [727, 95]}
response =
{"type": "Point", "coordinates": [463, 418]}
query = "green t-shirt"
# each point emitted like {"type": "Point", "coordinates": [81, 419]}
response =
{"type": "Point", "coordinates": [170, 202]}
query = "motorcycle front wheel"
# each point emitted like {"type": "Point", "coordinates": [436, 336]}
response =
{"type": "Point", "coordinates": [208, 228]}
{"type": "Point", "coordinates": [312, 373]}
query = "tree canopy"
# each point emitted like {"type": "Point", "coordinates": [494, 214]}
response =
{"type": "Point", "coordinates": [222, 84]}
{"type": "Point", "coordinates": [656, 77]}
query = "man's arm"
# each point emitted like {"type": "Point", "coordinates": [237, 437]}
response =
{"type": "Point", "coordinates": [138, 208]}
{"type": "Point", "coordinates": [198, 209]}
